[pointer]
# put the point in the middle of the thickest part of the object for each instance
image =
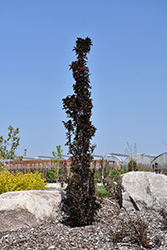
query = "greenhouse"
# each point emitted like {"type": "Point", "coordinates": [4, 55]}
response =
{"type": "Point", "coordinates": [114, 160]}
{"type": "Point", "coordinates": [142, 160]}
{"type": "Point", "coordinates": [160, 160]}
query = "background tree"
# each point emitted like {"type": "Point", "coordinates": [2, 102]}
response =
{"type": "Point", "coordinates": [80, 203]}
{"type": "Point", "coordinates": [9, 146]}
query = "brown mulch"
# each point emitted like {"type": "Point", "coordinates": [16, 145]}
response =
{"type": "Point", "coordinates": [100, 235]}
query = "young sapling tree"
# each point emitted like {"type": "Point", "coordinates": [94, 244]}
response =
{"type": "Point", "coordinates": [80, 203]}
{"type": "Point", "coordinates": [54, 174]}
{"type": "Point", "coordinates": [9, 146]}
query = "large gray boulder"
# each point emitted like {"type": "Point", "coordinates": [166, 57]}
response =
{"type": "Point", "coordinates": [28, 208]}
{"type": "Point", "coordinates": [144, 190]}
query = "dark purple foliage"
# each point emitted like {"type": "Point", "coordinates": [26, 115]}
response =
{"type": "Point", "coordinates": [80, 203]}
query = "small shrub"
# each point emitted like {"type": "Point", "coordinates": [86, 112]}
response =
{"type": "Point", "coordinates": [136, 230]}
{"type": "Point", "coordinates": [119, 234]}
{"type": "Point", "coordinates": [113, 172]}
{"type": "Point", "coordinates": [132, 165]}
{"type": "Point", "coordinates": [19, 181]}
{"type": "Point", "coordinates": [114, 187]}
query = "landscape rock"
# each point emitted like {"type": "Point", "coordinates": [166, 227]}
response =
{"type": "Point", "coordinates": [28, 208]}
{"type": "Point", "coordinates": [144, 190]}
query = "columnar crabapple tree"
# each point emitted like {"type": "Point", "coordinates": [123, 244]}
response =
{"type": "Point", "coordinates": [80, 203]}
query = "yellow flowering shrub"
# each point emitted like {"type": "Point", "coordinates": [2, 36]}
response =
{"type": "Point", "coordinates": [19, 181]}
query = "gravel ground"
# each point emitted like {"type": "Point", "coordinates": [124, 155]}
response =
{"type": "Point", "coordinates": [100, 235]}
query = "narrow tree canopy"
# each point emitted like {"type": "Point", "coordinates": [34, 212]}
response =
{"type": "Point", "coordinates": [80, 203]}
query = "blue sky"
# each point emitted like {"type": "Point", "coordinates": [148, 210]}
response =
{"type": "Point", "coordinates": [128, 66]}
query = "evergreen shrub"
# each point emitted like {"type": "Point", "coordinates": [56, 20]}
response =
{"type": "Point", "coordinates": [132, 165]}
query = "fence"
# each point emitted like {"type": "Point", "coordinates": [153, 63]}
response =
{"type": "Point", "coordinates": [44, 166]}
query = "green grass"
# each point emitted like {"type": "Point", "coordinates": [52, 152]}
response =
{"type": "Point", "coordinates": [102, 192]}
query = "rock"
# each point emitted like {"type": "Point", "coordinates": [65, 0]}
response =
{"type": "Point", "coordinates": [56, 185]}
{"type": "Point", "coordinates": [144, 190]}
{"type": "Point", "coordinates": [28, 208]}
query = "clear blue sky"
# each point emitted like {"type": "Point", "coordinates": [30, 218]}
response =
{"type": "Point", "coordinates": [128, 66]}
